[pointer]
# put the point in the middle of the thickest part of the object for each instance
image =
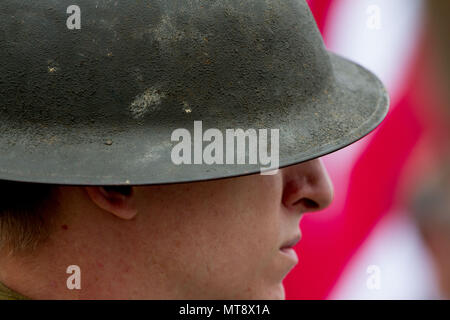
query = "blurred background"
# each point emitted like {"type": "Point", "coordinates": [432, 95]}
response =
{"type": "Point", "coordinates": [387, 234]}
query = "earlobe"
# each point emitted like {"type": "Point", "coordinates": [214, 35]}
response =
{"type": "Point", "coordinates": [119, 202]}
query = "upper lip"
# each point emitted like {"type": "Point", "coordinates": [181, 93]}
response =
{"type": "Point", "coordinates": [290, 243]}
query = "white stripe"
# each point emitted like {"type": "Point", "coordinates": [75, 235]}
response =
{"type": "Point", "coordinates": [386, 51]}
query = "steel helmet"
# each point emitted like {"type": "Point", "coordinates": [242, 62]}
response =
{"type": "Point", "coordinates": [97, 103]}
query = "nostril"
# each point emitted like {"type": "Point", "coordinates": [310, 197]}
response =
{"type": "Point", "coordinates": [307, 204]}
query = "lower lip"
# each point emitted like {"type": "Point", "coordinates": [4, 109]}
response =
{"type": "Point", "coordinates": [289, 252]}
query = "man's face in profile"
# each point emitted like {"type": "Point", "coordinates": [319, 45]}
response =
{"type": "Point", "coordinates": [224, 239]}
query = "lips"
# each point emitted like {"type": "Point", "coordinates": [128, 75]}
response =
{"type": "Point", "coordinates": [290, 243]}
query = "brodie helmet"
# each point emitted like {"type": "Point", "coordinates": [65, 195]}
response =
{"type": "Point", "coordinates": [97, 104]}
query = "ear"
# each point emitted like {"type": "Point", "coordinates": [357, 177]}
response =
{"type": "Point", "coordinates": [119, 201]}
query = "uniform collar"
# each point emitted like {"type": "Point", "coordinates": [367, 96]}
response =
{"type": "Point", "coordinates": [8, 294]}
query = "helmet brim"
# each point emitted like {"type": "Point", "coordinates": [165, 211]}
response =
{"type": "Point", "coordinates": [348, 109]}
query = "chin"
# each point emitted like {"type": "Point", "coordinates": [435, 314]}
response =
{"type": "Point", "coordinates": [281, 294]}
{"type": "Point", "coordinates": [274, 293]}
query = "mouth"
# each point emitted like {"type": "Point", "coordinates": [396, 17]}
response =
{"type": "Point", "coordinates": [287, 248]}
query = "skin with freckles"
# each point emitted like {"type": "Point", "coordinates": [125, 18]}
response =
{"type": "Point", "coordinates": [206, 240]}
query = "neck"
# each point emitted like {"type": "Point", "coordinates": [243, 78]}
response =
{"type": "Point", "coordinates": [40, 274]}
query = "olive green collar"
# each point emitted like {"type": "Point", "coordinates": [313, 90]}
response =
{"type": "Point", "coordinates": [8, 294]}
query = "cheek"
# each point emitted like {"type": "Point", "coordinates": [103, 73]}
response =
{"type": "Point", "coordinates": [224, 243]}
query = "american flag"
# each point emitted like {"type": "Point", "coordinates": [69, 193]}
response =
{"type": "Point", "coordinates": [368, 225]}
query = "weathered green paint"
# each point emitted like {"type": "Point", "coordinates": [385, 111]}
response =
{"type": "Point", "coordinates": [97, 106]}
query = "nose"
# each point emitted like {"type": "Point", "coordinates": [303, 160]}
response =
{"type": "Point", "coordinates": [307, 187]}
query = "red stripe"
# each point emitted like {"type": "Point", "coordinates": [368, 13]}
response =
{"type": "Point", "coordinates": [320, 10]}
